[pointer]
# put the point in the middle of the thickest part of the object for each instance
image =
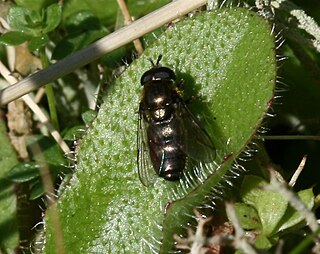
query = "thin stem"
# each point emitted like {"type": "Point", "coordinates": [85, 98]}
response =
{"type": "Point", "coordinates": [49, 92]}
{"type": "Point", "coordinates": [35, 109]}
{"type": "Point", "coordinates": [303, 245]}
{"type": "Point", "coordinates": [128, 20]}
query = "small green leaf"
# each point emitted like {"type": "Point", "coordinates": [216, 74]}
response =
{"type": "Point", "coordinates": [106, 10]}
{"type": "Point", "coordinates": [84, 28]}
{"type": "Point", "coordinates": [34, 19]}
{"type": "Point", "coordinates": [248, 216]}
{"type": "Point", "coordinates": [262, 242]}
{"type": "Point", "coordinates": [75, 132]}
{"type": "Point", "coordinates": [53, 16]}
{"type": "Point", "coordinates": [82, 21]}
{"type": "Point", "coordinates": [293, 217]}
{"type": "Point", "coordinates": [38, 42]}
{"type": "Point", "coordinates": [24, 172]}
{"type": "Point", "coordinates": [114, 59]}
{"type": "Point", "coordinates": [88, 116]}
{"type": "Point", "coordinates": [37, 5]}
{"type": "Point", "coordinates": [36, 190]}
{"type": "Point", "coordinates": [74, 42]}
{"type": "Point", "coordinates": [17, 18]}
{"type": "Point", "coordinates": [270, 205]}
{"type": "Point", "coordinates": [14, 38]}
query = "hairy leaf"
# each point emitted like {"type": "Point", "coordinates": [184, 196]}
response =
{"type": "Point", "coordinates": [226, 58]}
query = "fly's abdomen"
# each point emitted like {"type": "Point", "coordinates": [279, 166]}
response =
{"type": "Point", "coordinates": [173, 162]}
{"type": "Point", "coordinates": [168, 159]}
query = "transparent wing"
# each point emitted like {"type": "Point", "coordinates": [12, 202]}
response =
{"type": "Point", "coordinates": [194, 141]}
{"type": "Point", "coordinates": [146, 172]}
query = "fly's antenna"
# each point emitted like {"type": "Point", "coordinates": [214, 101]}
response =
{"type": "Point", "coordinates": [159, 59]}
{"type": "Point", "coordinates": [157, 64]}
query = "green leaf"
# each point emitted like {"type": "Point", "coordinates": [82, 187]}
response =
{"type": "Point", "coordinates": [75, 132]}
{"type": "Point", "coordinates": [88, 116]}
{"type": "Point", "coordinates": [34, 19]}
{"type": "Point", "coordinates": [106, 10]}
{"type": "Point", "coordinates": [9, 233]}
{"type": "Point", "coordinates": [25, 20]}
{"type": "Point", "coordinates": [52, 18]}
{"type": "Point", "coordinates": [248, 216]}
{"type": "Point", "coordinates": [82, 21]}
{"type": "Point", "coordinates": [75, 42]}
{"type": "Point", "coordinates": [38, 42]}
{"type": "Point", "coordinates": [293, 217]}
{"type": "Point", "coordinates": [17, 18]}
{"type": "Point", "coordinates": [14, 38]}
{"type": "Point", "coordinates": [36, 190]}
{"type": "Point", "coordinates": [84, 28]}
{"type": "Point", "coordinates": [37, 5]}
{"type": "Point", "coordinates": [115, 58]}
{"type": "Point", "coordinates": [270, 206]}
{"type": "Point", "coordinates": [262, 242]}
{"type": "Point", "coordinates": [213, 53]}
{"type": "Point", "coordinates": [24, 172]}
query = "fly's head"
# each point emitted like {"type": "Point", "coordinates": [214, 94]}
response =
{"type": "Point", "coordinates": [158, 73]}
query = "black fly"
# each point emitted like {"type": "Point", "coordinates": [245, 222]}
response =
{"type": "Point", "coordinates": [168, 133]}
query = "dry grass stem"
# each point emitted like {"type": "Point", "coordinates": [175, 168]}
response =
{"type": "Point", "coordinates": [128, 20]}
{"type": "Point", "coordinates": [35, 109]}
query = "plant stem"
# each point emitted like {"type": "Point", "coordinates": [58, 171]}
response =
{"type": "Point", "coordinates": [49, 92]}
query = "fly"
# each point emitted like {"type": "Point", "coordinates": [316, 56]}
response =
{"type": "Point", "coordinates": [168, 133]}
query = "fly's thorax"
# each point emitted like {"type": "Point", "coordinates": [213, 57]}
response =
{"type": "Point", "coordinates": [159, 115]}
{"type": "Point", "coordinates": [159, 99]}
{"type": "Point", "coordinates": [158, 94]}
{"type": "Point", "coordinates": [162, 114]}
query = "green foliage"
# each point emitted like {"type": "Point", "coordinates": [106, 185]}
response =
{"type": "Point", "coordinates": [36, 5]}
{"type": "Point", "coordinates": [210, 52]}
{"type": "Point", "coordinates": [31, 26]}
{"type": "Point", "coordinates": [107, 10]}
{"type": "Point", "coordinates": [30, 171]}
{"type": "Point", "coordinates": [267, 213]}
{"type": "Point", "coordinates": [77, 132]}
{"type": "Point", "coordinates": [83, 28]}
{"type": "Point", "coordinates": [24, 172]}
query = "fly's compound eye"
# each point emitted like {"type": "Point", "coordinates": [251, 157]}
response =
{"type": "Point", "coordinates": [158, 73]}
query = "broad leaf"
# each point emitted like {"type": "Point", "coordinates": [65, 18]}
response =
{"type": "Point", "coordinates": [52, 18]}
{"type": "Point", "coordinates": [293, 217]}
{"type": "Point", "coordinates": [38, 42]}
{"type": "Point", "coordinates": [24, 172]}
{"type": "Point", "coordinates": [14, 38]}
{"type": "Point", "coordinates": [9, 233]}
{"type": "Point", "coordinates": [271, 206]}
{"type": "Point", "coordinates": [226, 57]}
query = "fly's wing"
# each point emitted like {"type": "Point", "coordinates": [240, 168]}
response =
{"type": "Point", "coordinates": [194, 140]}
{"type": "Point", "coordinates": [146, 172]}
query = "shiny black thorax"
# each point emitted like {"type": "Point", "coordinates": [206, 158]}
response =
{"type": "Point", "coordinates": [159, 109]}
